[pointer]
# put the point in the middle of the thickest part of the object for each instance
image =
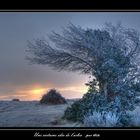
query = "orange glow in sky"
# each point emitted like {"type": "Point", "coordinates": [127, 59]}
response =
{"type": "Point", "coordinates": [36, 92]}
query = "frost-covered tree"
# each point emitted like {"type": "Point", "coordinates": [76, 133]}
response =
{"type": "Point", "coordinates": [111, 55]}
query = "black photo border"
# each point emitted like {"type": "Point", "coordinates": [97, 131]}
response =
{"type": "Point", "coordinates": [69, 6]}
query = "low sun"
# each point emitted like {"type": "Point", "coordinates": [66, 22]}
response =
{"type": "Point", "coordinates": [38, 91]}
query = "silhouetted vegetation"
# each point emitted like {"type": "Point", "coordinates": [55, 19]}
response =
{"type": "Point", "coordinates": [52, 97]}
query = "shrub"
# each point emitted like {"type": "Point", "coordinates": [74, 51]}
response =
{"type": "Point", "coordinates": [90, 102]}
{"type": "Point", "coordinates": [52, 97]}
{"type": "Point", "coordinates": [15, 99]}
{"type": "Point", "coordinates": [95, 102]}
{"type": "Point", "coordinates": [98, 119]}
{"type": "Point", "coordinates": [135, 117]}
{"type": "Point", "coordinates": [79, 108]}
{"type": "Point", "coordinates": [74, 112]}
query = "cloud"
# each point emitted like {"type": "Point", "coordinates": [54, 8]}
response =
{"type": "Point", "coordinates": [17, 78]}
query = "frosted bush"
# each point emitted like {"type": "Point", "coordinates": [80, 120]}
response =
{"type": "Point", "coordinates": [104, 119]}
{"type": "Point", "coordinates": [111, 119]}
{"type": "Point", "coordinates": [92, 120]}
{"type": "Point", "coordinates": [135, 117]}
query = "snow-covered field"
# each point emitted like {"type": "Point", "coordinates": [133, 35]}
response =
{"type": "Point", "coordinates": [33, 114]}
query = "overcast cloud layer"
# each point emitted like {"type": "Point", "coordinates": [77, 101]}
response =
{"type": "Point", "coordinates": [18, 79]}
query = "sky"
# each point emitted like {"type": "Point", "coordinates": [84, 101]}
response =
{"type": "Point", "coordinates": [20, 80]}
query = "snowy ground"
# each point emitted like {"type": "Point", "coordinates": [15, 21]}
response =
{"type": "Point", "coordinates": [33, 114]}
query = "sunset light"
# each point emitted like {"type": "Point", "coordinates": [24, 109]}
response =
{"type": "Point", "coordinates": [38, 91]}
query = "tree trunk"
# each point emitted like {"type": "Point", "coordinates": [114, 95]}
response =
{"type": "Point", "coordinates": [103, 88]}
